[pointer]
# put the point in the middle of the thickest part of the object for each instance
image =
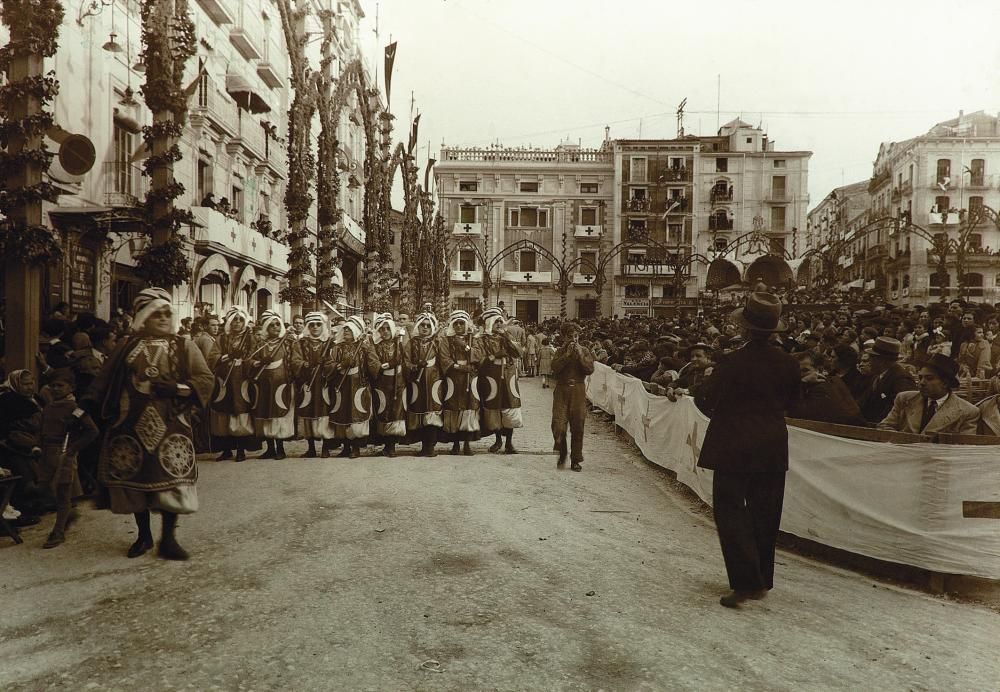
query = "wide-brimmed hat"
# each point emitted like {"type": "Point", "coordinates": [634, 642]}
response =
{"type": "Point", "coordinates": [885, 347]}
{"type": "Point", "coordinates": [761, 313]}
{"type": "Point", "coordinates": [945, 367]}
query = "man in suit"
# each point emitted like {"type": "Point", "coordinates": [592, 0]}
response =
{"type": "Point", "coordinates": [571, 365]}
{"type": "Point", "coordinates": [888, 379]}
{"type": "Point", "coordinates": [934, 408]}
{"type": "Point", "coordinates": [746, 445]}
{"type": "Point", "coordinates": [989, 416]}
{"type": "Point", "coordinates": [825, 399]}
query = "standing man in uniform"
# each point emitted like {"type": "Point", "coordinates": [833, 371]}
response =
{"type": "Point", "coordinates": [570, 366]}
{"type": "Point", "coordinates": [746, 445]}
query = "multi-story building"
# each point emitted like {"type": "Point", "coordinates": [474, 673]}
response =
{"type": "Point", "coordinates": [527, 213]}
{"type": "Point", "coordinates": [729, 202]}
{"type": "Point", "coordinates": [922, 189]}
{"type": "Point", "coordinates": [233, 168]}
{"type": "Point", "coordinates": [827, 226]}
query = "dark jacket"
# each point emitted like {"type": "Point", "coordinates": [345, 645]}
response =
{"type": "Point", "coordinates": [746, 397]}
{"type": "Point", "coordinates": [828, 401]}
{"type": "Point", "coordinates": [876, 400]}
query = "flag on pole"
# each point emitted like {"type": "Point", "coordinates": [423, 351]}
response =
{"type": "Point", "coordinates": [413, 134]}
{"type": "Point", "coordinates": [390, 58]}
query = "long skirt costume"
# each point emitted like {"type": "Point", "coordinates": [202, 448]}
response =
{"type": "Point", "coordinates": [273, 390]}
{"type": "Point", "coordinates": [389, 390]}
{"type": "Point", "coordinates": [350, 396]}
{"type": "Point", "coordinates": [499, 394]}
{"type": "Point", "coordinates": [461, 399]}
{"type": "Point", "coordinates": [230, 414]}
{"type": "Point", "coordinates": [425, 401]}
{"type": "Point", "coordinates": [312, 398]}
{"type": "Point", "coordinates": [148, 459]}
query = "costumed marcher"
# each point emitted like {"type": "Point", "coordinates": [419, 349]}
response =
{"type": "Point", "coordinates": [65, 430]}
{"type": "Point", "coordinates": [746, 445]}
{"type": "Point", "coordinates": [498, 390]}
{"type": "Point", "coordinates": [461, 354]}
{"type": "Point", "coordinates": [389, 384]}
{"type": "Point", "coordinates": [424, 405]}
{"type": "Point", "coordinates": [309, 357]}
{"type": "Point", "coordinates": [271, 382]}
{"type": "Point", "coordinates": [571, 365]}
{"type": "Point", "coordinates": [144, 395]}
{"type": "Point", "coordinates": [353, 363]}
{"type": "Point", "coordinates": [230, 416]}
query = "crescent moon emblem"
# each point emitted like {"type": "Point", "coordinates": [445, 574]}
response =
{"type": "Point", "coordinates": [450, 390]}
{"type": "Point", "coordinates": [493, 389]}
{"type": "Point", "coordinates": [513, 386]}
{"type": "Point", "coordinates": [222, 391]}
{"type": "Point", "coordinates": [336, 403]}
{"type": "Point", "coordinates": [475, 387]}
{"type": "Point", "coordinates": [306, 396]}
{"type": "Point", "coordinates": [245, 390]}
{"type": "Point", "coordinates": [326, 396]}
{"type": "Point", "coordinates": [436, 392]}
{"type": "Point", "coordinates": [413, 392]}
{"type": "Point", "coordinates": [382, 401]}
{"type": "Point", "coordinates": [359, 400]}
{"type": "Point", "coordinates": [279, 399]}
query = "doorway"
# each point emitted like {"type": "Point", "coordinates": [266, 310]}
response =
{"type": "Point", "coordinates": [526, 311]}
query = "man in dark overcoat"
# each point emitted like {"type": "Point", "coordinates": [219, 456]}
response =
{"type": "Point", "coordinates": [889, 378]}
{"type": "Point", "coordinates": [571, 365]}
{"type": "Point", "coordinates": [746, 446]}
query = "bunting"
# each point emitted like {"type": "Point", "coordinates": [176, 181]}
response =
{"type": "Point", "coordinates": [390, 58]}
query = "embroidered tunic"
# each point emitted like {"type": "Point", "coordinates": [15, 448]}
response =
{"type": "Point", "coordinates": [312, 398]}
{"type": "Point", "coordinates": [389, 388]}
{"type": "Point", "coordinates": [424, 401]}
{"type": "Point", "coordinates": [230, 414]}
{"type": "Point", "coordinates": [273, 390]}
{"type": "Point", "coordinates": [461, 401]}
{"type": "Point", "coordinates": [350, 395]}
{"type": "Point", "coordinates": [498, 388]}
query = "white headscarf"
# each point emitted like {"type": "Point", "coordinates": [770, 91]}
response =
{"type": "Point", "coordinates": [490, 318]}
{"type": "Point", "coordinates": [266, 318]}
{"type": "Point", "coordinates": [320, 318]}
{"type": "Point", "coordinates": [458, 316]}
{"type": "Point", "coordinates": [425, 317]}
{"type": "Point", "coordinates": [383, 319]}
{"type": "Point", "coordinates": [356, 324]}
{"type": "Point", "coordinates": [235, 311]}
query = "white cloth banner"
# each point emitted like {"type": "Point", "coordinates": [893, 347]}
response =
{"type": "Point", "coordinates": [901, 503]}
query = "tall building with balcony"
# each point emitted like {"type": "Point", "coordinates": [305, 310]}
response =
{"type": "Point", "coordinates": [828, 224]}
{"type": "Point", "coordinates": [938, 181]}
{"type": "Point", "coordinates": [518, 216]}
{"type": "Point", "coordinates": [699, 201]}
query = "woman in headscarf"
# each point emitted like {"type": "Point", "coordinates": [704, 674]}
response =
{"type": "Point", "coordinates": [424, 404]}
{"type": "Point", "coordinates": [144, 394]}
{"type": "Point", "coordinates": [230, 417]}
{"type": "Point", "coordinates": [271, 382]}
{"type": "Point", "coordinates": [20, 418]}
{"type": "Point", "coordinates": [311, 353]}
{"type": "Point", "coordinates": [389, 383]}
{"type": "Point", "coordinates": [354, 362]}
{"type": "Point", "coordinates": [498, 390]}
{"type": "Point", "coordinates": [461, 353]}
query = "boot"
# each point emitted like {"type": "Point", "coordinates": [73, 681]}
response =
{"type": "Point", "coordinates": [346, 451]}
{"type": "Point", "coordinates": [466, 449]}
{"type": "Point", "coordinates": [509, 449]}
{"type": "Point", "coordinates": [325, 449]}
{"type": "Point", "coordinates": [279, 447]}
{"type": "Point", "coordinates": [431, 441]}
{"type": "Point", "coordinates": [225, 456]}
{"type": "Point", "coordinates": [355, 448]}
{"type": "Point", "coordinates": [241, 454]}
{"type": "Point", "coordinates": [389, 450]}
{"type": "Point", "coordinates": [311, 451]}
{"type": "Point", "coordinates": [169, 548]}
{"type": "Point", "coordinates": [456, 448]}
{"type": "Point", "coordinates": [145, 540]}
{"type": "Point", "coordinates": [269, 452]}
{"type": "Point", "coordinates": [495, 447]}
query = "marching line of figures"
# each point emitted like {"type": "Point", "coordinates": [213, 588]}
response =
{"type": "Point", "coordinates": [361, 385]}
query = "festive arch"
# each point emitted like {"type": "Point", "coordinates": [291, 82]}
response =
{"type": "Point", "coordinates": [771, 269]}
{"type": "Point", "coordinates": [722, 273]}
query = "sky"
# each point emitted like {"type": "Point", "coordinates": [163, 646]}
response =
{"type": "Point", "coordinates": [836, 78]}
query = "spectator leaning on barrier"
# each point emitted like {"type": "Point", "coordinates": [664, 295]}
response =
{"type": "Point", "coordinates": [934, 408]}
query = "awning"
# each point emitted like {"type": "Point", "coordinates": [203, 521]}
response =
{"type": "Point", "coordinates": [857, 283]}
{"type": "Point", "coordinates": [245, 94]}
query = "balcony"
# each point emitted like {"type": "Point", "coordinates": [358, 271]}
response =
{"type": "Point", "coordinates": [353, 236]}
{"type": "Point", "coordinates": [469, 276]}
{"type": "Point", "coordinates": [269, 74]}
{"type": "Point", "coordinates": [674, 175]}
{"type": "Point", "coordinates": [124, 184]}
{"type": "Point", "coordinates": [944, 218]}
{"type": "Point", "coordinates": [217, 232]}
{"type": "Point", "coordinates": [216, 11]}
{"type": "Point", "coordinates": [718, 224]}
{"type": "Point", "coordinates": [527, 277]}
{"type": "Point", "coordinates": [584, 279]}
{"type": "Point", "coordinates": [677, 205]}
{"type": "Point", "coordinates": [718, 194]}
{"type": "Point", "coordinates": [637, 205]}
{"type": "Point", "coordinates": [245, 43]}
{"type": "Point", "coordinates": [652, 268]}
{"type": "Point", "coordinates": [277, 158]}
{"type": "Point", "coordinates": [588, 232]}
{"type": "Point", "coordinates": [217, 107]}
{"type": "Point", "coordinates": [467, 229]}
{"type": "Point", "coordinates": [907, 188]}
{"type": "Point", "coordinates": [778, 197]}
{"type": "Point", "coordinates": [897, 194]}
{"type": "Point", "coordinates": [250, 136]}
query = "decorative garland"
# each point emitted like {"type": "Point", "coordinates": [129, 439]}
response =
{"type": "Point", "coordinates": [168, 42]}
{"type": "Point", "coordinates": [35, 24]}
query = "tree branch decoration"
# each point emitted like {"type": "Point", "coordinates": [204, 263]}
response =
{"type": "Point", "coordinates": [34, 26]}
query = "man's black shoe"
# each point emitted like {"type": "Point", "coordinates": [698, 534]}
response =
{"type": "Point", "coordinates": [140, 547]}
{"type": "Point", "coordinates": [562, 461]}
{"type": "Point", "coordinates": [575, 466]}
{"type": "Point", "coordinates": [733, 599]}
